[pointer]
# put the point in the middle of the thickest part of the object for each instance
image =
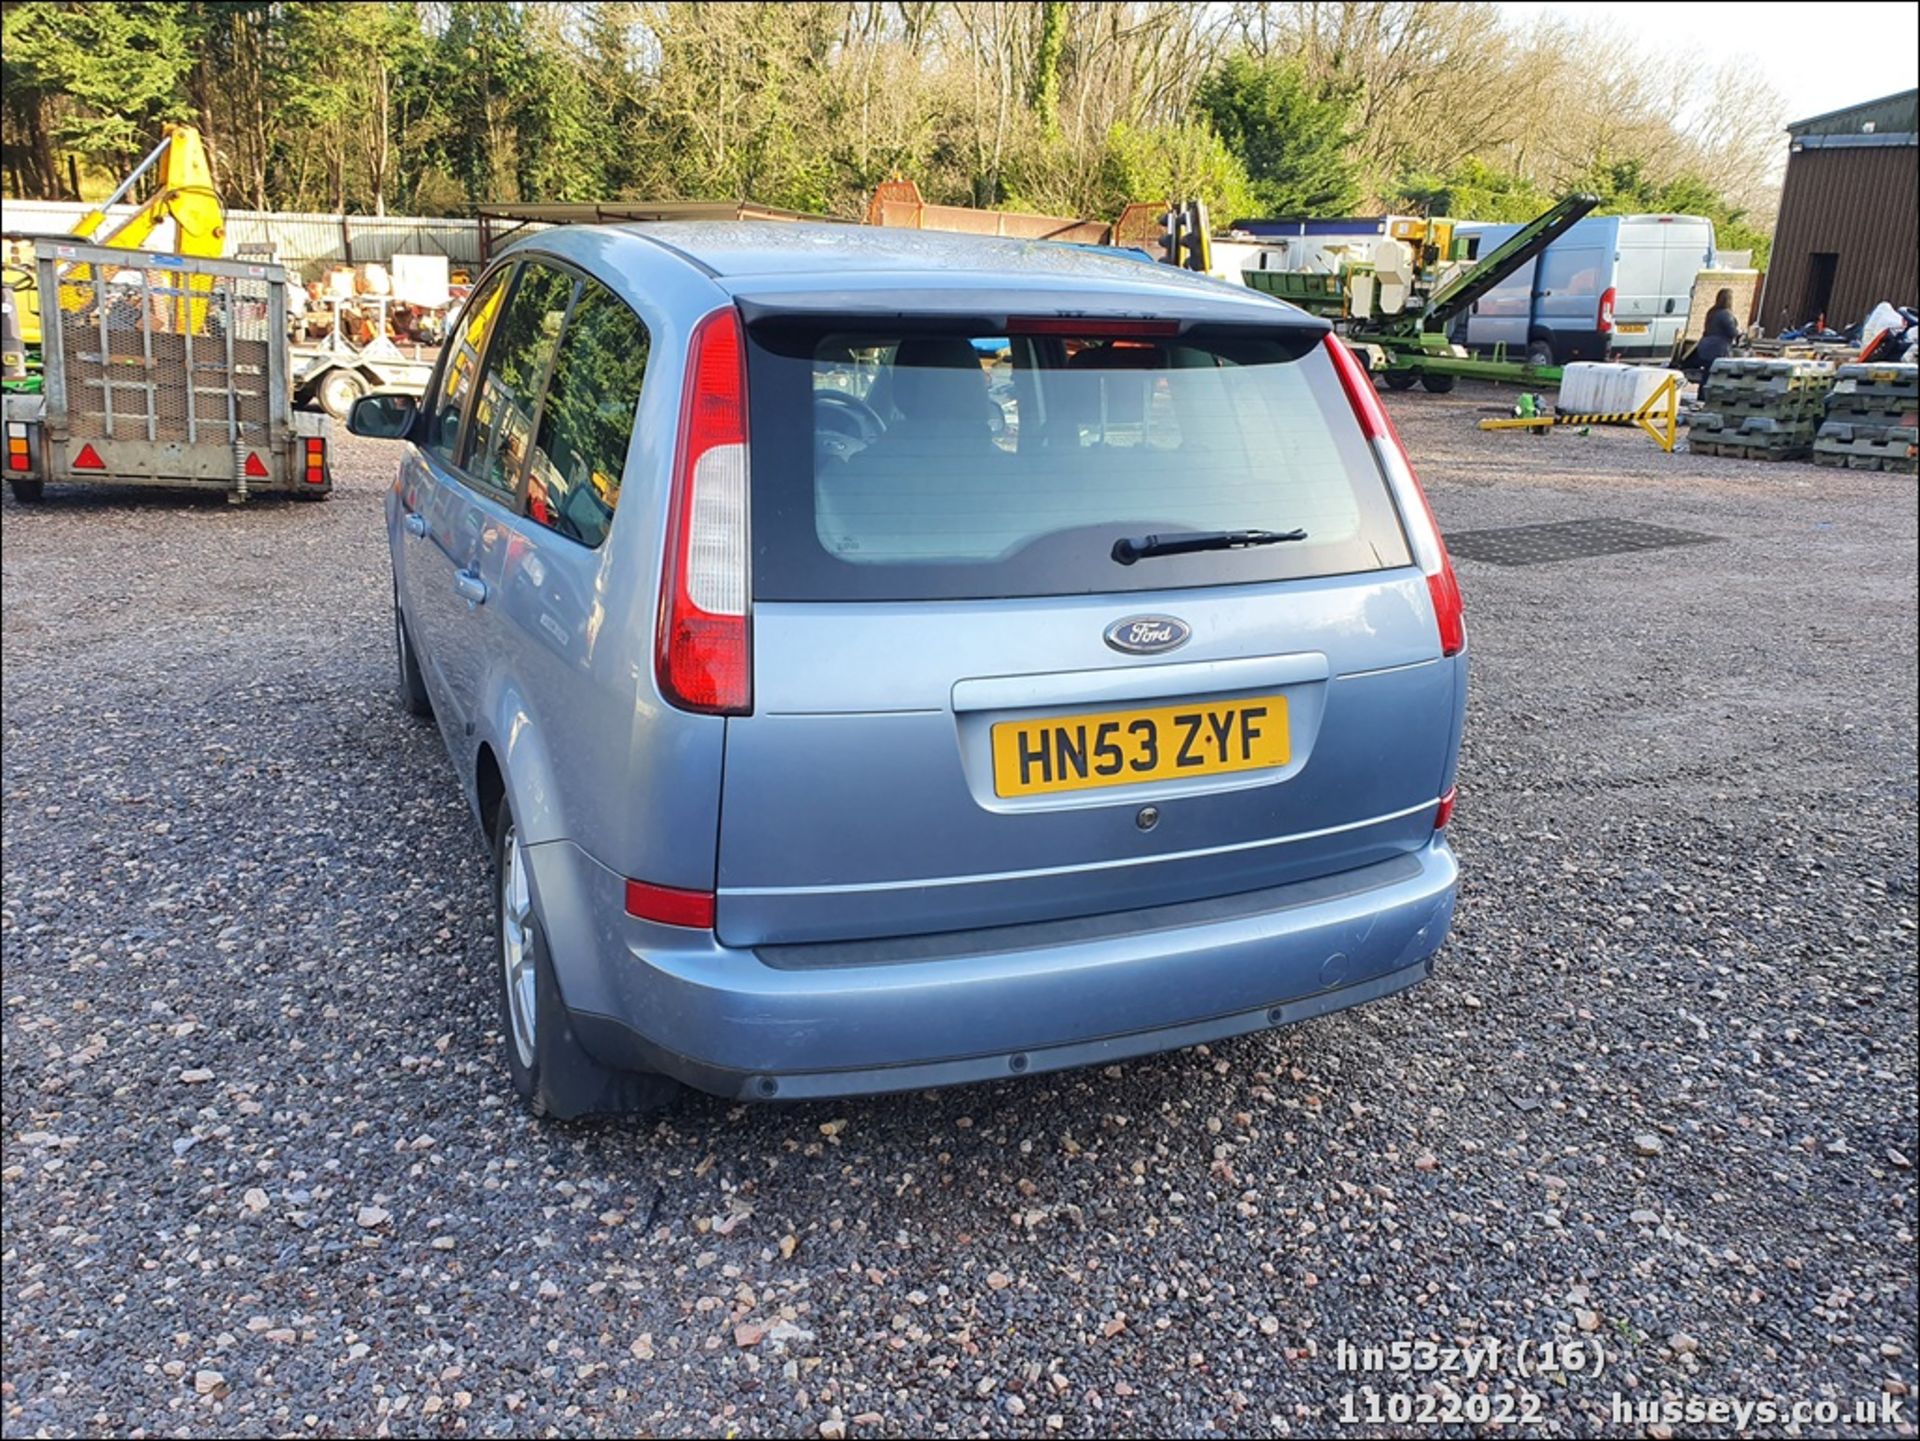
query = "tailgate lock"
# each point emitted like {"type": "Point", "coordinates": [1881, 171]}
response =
{"type": "Point", "coordinates": [1148, 818]}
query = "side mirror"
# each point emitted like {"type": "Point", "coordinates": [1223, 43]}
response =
{"type": "Point", "coordinates": [388, 415]}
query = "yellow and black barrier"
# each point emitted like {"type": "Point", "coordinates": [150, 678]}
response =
{"type": "Point", "coordinates": [1659, 417]}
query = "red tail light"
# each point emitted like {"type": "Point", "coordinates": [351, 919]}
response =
{"type": "Point", "coordinates": [1423, 532]}
{"type": "Point", "coordinates": [316, 460]}
{"type": "Point", "coordinates": [702, 654]}
{"type": "Point", "coordinates": [1606, 310]}
{"type": "Point", "coordinates": [1443, 812]}
{"type": "Point", "coordinates": [670, 906]}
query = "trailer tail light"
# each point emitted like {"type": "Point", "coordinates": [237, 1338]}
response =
{"type": "Point", "coordinates": [316, 460]}
{"type": "Point", "coordinates": [88, 459]}
{"type": "Point", "coordinates": [670, 906]}
{"type": "Point", "coordinates": [702, 655]}
{"type": "Point", "coordinates": [19, 455]}
{"type": "Point", "coordinates": [1423, 532]}
{"type": "Point", "coordinates": [1606, 311]}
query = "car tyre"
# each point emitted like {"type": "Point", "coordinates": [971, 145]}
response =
{"type": "Point", "coordinates": [551, 1070]}
{"type": "Point", "coordinates": [28, 492]}
{"type": "Point", "coordinates": [1400, 379]}
{"type": "Point", "coordinates": [339, 390]}
{"type": "Point", "coordinates": [413, 685]}
{"type": "Point", "coordinates": [1438, 384]}
{"type": "Point", "coordinates": [1540, 352]}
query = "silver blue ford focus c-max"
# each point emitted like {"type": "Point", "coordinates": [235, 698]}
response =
{"type": "Point", "coordinates": [884, 659]}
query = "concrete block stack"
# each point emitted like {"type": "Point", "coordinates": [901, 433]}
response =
{"type": "Point", "coordinates": [1873, 419]}
{"type": "Point", "coordinates": [1761, 409]}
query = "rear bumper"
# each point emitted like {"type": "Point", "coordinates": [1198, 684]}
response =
{"type": "Point", "coordinates": [816, 1021]}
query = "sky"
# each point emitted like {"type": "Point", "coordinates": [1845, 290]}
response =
{"type": "Point", "coordinates": [1820, 57]}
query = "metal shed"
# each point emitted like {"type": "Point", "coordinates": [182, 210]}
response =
{"type": "Point", "coordinates": [1847, 237]}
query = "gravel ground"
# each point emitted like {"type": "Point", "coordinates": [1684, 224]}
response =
{"type": "Point", "coordinates": [263, 1172]}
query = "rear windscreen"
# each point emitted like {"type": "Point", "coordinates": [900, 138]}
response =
{"type": "Point", "coordinates": [900, 465]}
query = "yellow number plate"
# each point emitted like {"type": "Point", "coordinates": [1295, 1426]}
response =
{"type": "Point", "coordinates": [1127, 747]}
{"type": "Point", "coordinates": [1632, 327]}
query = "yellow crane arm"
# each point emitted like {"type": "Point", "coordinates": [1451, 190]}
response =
{"type": "Point", "coordinates": [184, 195]}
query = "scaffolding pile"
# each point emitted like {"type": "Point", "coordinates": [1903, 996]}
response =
{"type": "Point", "coordinates": [1872, 419]}
{"type": "Point", "coordinates": [1761, 409]}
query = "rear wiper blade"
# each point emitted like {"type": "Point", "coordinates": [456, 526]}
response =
{"type": "Point", "coordinates": [1127, 550]}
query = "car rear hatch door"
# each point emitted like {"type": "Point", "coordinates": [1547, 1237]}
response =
{"type": "Point", "coordinates": [969, 711]}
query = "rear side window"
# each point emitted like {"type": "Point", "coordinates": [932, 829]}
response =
{"type": "Point", "coordinates": [523, 345]}
{"type": "Point", "coordinates": [586, 422]}
{"type": "Point", "coordinates": [469, 343]}
{"type": "Point", "coordinates": [958, 466]}
{"type": "Point", "coordinates": [1570, 272]}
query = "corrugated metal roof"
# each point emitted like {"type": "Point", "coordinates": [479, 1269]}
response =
{"type": "Point", "coordinates": [1875, 141]}
{"type": "Point", "coordinates": [1896, 113]}
{"type": "Point", "coordinates": [304, 241]}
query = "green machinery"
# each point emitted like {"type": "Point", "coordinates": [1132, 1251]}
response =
{"type": "Point", "coordinates": [1410, 343]}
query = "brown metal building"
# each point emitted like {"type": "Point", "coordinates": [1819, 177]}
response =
{"type": "Point", "coordinates": [1847, 237]}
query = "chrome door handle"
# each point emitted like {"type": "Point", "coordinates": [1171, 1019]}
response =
{"type": "Point", "coordinates": [471, 587]}
{"type": "Point", "coordinates": [415, 523]}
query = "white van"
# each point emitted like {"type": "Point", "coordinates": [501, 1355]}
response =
{"type": "Point", "coordinates": [1613, 286]}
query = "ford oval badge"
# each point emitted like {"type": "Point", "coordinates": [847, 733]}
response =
{"type": "Point", "coordinates": [1147, 634]}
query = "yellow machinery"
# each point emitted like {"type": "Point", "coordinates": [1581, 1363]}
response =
{"type": "Point", "coordinates": [184, 194]}
{"type": "Point", "coordinates": [1430, 239]}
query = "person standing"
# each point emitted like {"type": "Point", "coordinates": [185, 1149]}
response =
{"type": "Point", "coordinates": [1718, 334]}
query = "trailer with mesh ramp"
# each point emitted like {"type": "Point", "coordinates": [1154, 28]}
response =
{"type": "Point", "coordinates": [164, 370]}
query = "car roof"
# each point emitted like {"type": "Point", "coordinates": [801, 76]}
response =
{"type": "Point", "coordinates": [791, 260]}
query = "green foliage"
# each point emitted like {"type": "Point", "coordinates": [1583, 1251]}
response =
{"type": "Point", "coordinates": [1173, 163]}
{"type": "Point", "coordinates": [1045, 93]}
{"type": "Point", "coordinates": [1294, 140]}
{"type": "Point", "coordinates": [1472, 190]}
{"type": "Point", "coordinates": [334, 75]}
{"type": "Point", "coordinates": [120, 66]}
{"type": "Point", "coordinates": [1625, 188]}
{"type": "Point", "coordinates": [1068, 109]}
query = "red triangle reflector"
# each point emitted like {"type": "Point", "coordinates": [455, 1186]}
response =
{"type": "Point", "coordinates": [256, 470]}
{"type": "Point", "coordinates": [88, 459]}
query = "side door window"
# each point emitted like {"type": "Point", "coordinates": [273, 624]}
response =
{"type": "Point", "coordinates": [468, 343]}
{"type": "Point", "coordinates": [503, 410]}
{"type": "Point", "coordinates": [573, 481]}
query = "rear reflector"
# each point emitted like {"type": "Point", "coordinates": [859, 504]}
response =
{"type": "Point", "coordinates": [702, 656]}
{"type": "Point", "coordinates": [1423, 532]}
{"type": "Point", "coordinates": [1444, 811]}
{"type": "Point", "coordinates": [670, 906]}
{"type": "Point", "coordinates": [255, 467]}
{"type": "Point", "coordinates": [88, 459]}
